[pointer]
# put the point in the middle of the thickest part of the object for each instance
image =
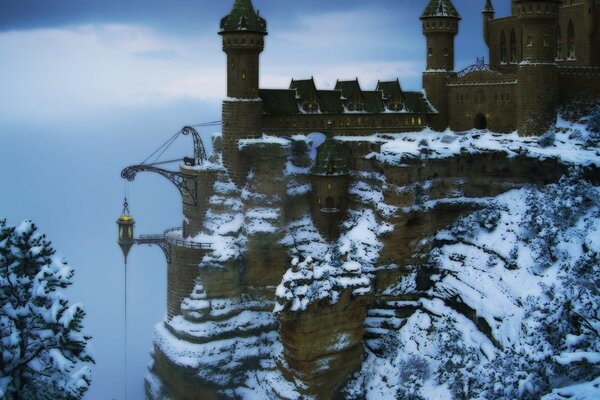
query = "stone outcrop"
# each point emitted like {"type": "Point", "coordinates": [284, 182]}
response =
{"type": "Point", "coordinates": [278, 307]}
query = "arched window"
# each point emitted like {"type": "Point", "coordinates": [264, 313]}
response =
{"type": "Point", "coordinates": [503, 55]}
{"type": "Point", "coordinates": [571, 41]}
{"type": "Point", "coordinates": [513, 47]}
{"type": "Point", "coordinates": [559, 52]}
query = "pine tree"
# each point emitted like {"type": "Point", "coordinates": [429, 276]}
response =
{"type": "Point", "coordinates": [43, 352]}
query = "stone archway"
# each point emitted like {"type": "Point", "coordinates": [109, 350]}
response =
{"type": "Point", "coordinates": [480, 122]}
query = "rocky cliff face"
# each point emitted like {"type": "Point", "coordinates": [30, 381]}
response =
{"type": "Point", "coordinates": [280, 309]}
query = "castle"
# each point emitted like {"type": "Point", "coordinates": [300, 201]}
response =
{"type": "Point", "coordinates": [541, 56]}
{"type": "Point", "coordinates": [262, 215]}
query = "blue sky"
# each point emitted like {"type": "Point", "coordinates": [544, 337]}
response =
{"type": "Point", "coordinates": [89, 87]}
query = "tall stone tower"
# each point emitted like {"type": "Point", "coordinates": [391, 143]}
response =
{"type": "Point", "coordinates": [440, 26]}
{"type": "Point", "coordinates": [488, 15]}
{"type": "Point", "coordinates": [243, 32]}
{"type": "Point", "coordinates": [537, 74]}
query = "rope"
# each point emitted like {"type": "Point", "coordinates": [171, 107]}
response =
{"type": "Point", "coordinates": [212, 123]}
{"type": "Point", "coordinates": [165, 146]}
{"type": "Point", "coordinates": [125, 352]}
{"type": "Point", "coordinates": [165, 162]}
{"type": "Point", "coordinates": [167, 143]}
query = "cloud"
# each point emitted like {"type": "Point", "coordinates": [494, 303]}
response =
{"type": "Point", "coordinates": [61, 72]}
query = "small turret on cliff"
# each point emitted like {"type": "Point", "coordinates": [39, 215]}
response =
{"type": "Point", "coordinates": [330, 179]}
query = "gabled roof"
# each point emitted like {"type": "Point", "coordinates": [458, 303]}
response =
{"type": "Point", "coordinates": [374, 101]}
{"type": "Point", "coordinates": [279, 101]}
{"type": "Point", "coordinates": [389, 88]}
{"type": "Point", "coordinates": [349, 89]}
{"type": "Point", "coordinates": [416, 102]}
{"type": "Point", "coordinates": [330, 101]}
{"type": "Point", "coordinates": [243, 18]}
{"type": "Point", "coordinates": [440, 8]}
{"type": "Point", "coordinates": [306, 88]}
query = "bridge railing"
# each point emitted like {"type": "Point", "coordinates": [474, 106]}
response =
{"type": "Point", "coordinates": [170, 238]}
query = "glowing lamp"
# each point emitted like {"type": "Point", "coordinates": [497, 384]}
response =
{"type": "Point", "coordinates": [125, 224]}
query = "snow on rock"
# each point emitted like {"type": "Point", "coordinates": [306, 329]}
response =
{"type": "Point", "coordinates": [578, 391]}
{"type": "Point", "coordinates": [512, 310]}
{"type": "Point", "coordinates": [571, 145]}
{"type": "Point", "coordinates": [321, 271]}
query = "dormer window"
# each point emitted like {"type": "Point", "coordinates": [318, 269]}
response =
{"type": "Point", "coordinates": [310, 106]}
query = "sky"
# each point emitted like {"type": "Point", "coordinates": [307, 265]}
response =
{"type": "Point", "coordinates": [89, 87]}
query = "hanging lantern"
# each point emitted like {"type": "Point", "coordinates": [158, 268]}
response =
{"type": "Point", "coordinates": [126, 223]}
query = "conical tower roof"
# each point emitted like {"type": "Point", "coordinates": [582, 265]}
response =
{"type": "Point", "coordinates": [243, 18]}
{"type": "Point", "coordinates": [440, 8]}
{"type": "Point", "coordinates": [329, 160]}
{"type": "Point", "coordinates": [489, 7]}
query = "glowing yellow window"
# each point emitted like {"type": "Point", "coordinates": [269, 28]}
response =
{"type": "Point", "coordinates": [318, 200]}
{"type": "Point", "coordinates": [329, 186]}
{"type": "Point", "coordinates": [413, 120]}
{"type": "Point", "coordinates": [420, 121]}
{"type": "Point", "coordinates": [243, 74]}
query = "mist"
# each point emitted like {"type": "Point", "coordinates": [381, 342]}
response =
{"type": "Point", "coordinates": [66, 178]}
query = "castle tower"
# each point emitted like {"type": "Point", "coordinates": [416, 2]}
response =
{"type": "Point", "coordinates": [440, 26]}
{"type": "Point", "coordinates": [330, 178]}
{"type": "Point", "coordinates": [488, 15]}
{"type": "Point", "coordinates": [537, 74]}
{"type": "Point", "coordinates": [243, 32]}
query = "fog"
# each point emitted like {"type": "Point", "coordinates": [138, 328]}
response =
{"type": "Point", "coordinates": [66, 178]}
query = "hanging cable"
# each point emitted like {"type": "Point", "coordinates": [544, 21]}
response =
{"type": "Point", "coordinates": [125, 329]}
{"type": "Point", "coordinates": [165, 146]}
{"type": "Point", "coordinates": [167, 143]}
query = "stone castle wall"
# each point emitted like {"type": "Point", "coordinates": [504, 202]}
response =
{"type": "Point", "coordinates": [346, 124]}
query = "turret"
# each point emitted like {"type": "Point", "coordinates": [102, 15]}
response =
{"type": "Point", "coordinates": [488, 15]}
{"type": "Point", "coordinates": [330, 179]}
{"type": "Point", "coordinates": [440, 26]}
{"type": "Point", "coordinates": [537, 74]}
{"type": "Point", "coordinates": [243, 32]}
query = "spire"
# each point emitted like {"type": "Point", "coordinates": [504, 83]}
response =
{"type": "Point", "coordinates": [243, 18]}
{"type": "Point", "coordinates": [489, 7]}
{"type": "Point", "coordinates": [440, 8]}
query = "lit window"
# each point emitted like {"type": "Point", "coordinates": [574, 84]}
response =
{"type": "Point", "coordinates": [329, 186]}
{"type": "Point", "coordinates": [243, 74]}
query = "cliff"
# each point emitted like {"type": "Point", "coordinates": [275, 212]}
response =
{"type": "Point", "coordinates": [286, 307]}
